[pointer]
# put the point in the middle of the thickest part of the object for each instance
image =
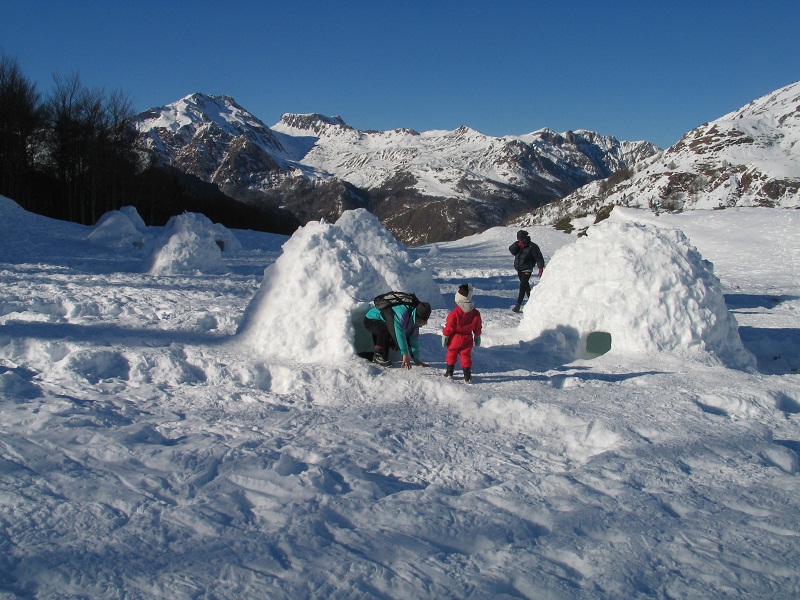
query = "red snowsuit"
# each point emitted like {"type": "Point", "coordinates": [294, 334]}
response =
{"type": "Point", "coordinates": [459, 329]}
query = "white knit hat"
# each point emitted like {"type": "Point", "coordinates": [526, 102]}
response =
{"type": "Point", "coordinates": [463, 297]}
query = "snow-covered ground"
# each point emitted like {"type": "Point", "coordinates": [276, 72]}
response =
{"type": "Point", "coordinates": [148, 450]}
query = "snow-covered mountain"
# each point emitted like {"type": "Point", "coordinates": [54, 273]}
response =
{"type": "Point", "coordinates": [424, 187]}
{"type": "Point", "coordinates": [749, 157]}
{"type": "Point", "coordinates": [212, 138]}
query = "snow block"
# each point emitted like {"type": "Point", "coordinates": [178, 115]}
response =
{"type": "Point", "coordinates": [119, 229]}
{"type": "Point", "coordinates": [302, 311]}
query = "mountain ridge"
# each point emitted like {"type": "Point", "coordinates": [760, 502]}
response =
{"type": "Point", "coordinates": [425, 186]}
{"type": "Point", "coordinates": [747, 157]}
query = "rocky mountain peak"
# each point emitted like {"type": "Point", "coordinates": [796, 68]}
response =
{"type": "Point", "coordinates": [312, 122]}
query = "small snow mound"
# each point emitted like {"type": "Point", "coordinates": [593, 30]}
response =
{"type": "Point", "coordinates": [302, 309]}
{"type": "Point", "coordinates": [9, 209]}
{"type": "Point", "coordinates": [119, 229]}
{"type": "Point", "coordinates": [389, 257]}
{"type": "Point", "coordinates": [133, 215]}
{"type": "Point", "coordinates": [645, 287]}
{"type": "Point", "coordinates": [191, 244]}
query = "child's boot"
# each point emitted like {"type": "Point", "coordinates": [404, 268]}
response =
{"type": "Point", "coordinates": [467, 375]}
{"type": "Point", "coordinates": [449, 372]}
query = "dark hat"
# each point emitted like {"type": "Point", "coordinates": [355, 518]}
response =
{"type": "Point", "coordinates": [423, 311]}
{"type": "Point", "coordinates": [522, 235]}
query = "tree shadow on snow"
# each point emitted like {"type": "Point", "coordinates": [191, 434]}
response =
{"type": "Point", "coordinates": [105, 334]}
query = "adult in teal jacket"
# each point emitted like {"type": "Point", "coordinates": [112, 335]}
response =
{"type": "Point", "coordinates": [401, 328]}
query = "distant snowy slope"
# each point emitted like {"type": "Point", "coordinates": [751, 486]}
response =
{"type": "Point", "coordinates": [441, 161]}
{"type": "Point", "coordinates": [748, 157]}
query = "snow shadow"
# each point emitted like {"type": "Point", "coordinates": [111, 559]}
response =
{"type": "Point", "coordinates": [508, 283]}
{"type": "Point", "coordinates": [73, 261]}
{"type": "Point", "coordinates": [98, 334]}
{"type": "Point", "coordinates": [17, 382]}
{"type": "Point", "coordinates": [564, 374]}
{"type": "Point", "coordinates": [390, 484]}
{"type": "Point", "coordinates": [777, 350]}
{"type": "Point", "coordinates": [553, 350]}
{"type": "Point", "coordinates": [792, 445]}
{"type": "Point", "coordinates": [786, 404]}
{"type": "Point", "coordinates": [741, 302]}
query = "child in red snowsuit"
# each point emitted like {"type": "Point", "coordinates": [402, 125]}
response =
{"type": "Point", "coordinates": [463, 322]}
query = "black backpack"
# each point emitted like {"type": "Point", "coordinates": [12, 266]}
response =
{"type": "Point", "coordinates": [390, 299]}
{"type": "Point", "coordinates": [385, 302]}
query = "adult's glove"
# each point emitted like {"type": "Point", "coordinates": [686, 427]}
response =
{"type": "Point", "coordinates": [521, 244]}
{"type": "Point", "coordinates": [477, 340]}
{"type": "Point", "coordinates": [445, 339]}
{"type": "Point", "coordinates": [541, 271]}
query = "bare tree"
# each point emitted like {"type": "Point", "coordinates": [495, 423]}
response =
{"type": "Point", "coordinates": [64, 141]}
{"type": "Point", "coordinates": [121, 158]}
{"type": "Point", "coordinates": [89, 148]}
{"type": "Point", "coordinates": [22, 115]}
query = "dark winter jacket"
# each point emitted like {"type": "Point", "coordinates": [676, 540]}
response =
{"type": "Point", "coordinates": [527, 256]}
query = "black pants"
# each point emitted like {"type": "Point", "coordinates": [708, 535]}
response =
{"type": "Point", "coordinates": [380, 334]}
{"type": "Point", "coordinates": [524, 285]}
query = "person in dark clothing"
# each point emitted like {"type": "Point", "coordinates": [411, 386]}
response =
{"type": "Point", "coordinates": [527, 257]}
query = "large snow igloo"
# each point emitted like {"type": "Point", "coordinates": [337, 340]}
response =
{"type": "Point", "coordinates": [634, 289]}
{"type": "Point", "coordinates": [312, 300]}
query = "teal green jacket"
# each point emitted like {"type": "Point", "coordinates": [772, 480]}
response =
{"type": "Point", "coordinates": [406, 332]}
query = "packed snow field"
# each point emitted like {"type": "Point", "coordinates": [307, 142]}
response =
{"type": "Point", "coordinates": [177, 422]}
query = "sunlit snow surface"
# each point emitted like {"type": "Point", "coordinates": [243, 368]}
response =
{"type": "Point", "coordinates": [147, 451]}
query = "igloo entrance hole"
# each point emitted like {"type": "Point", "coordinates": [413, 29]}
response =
{"type": "Point", "coordinates": [597, 344]}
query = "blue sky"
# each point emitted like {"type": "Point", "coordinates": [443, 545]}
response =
{"type": "Point", "coordinates": [635, 70]}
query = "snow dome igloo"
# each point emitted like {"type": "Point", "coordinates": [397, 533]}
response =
{"type": "Point", "coordinates": [122, 228]}
{"type": "Point", "coordinates": [635, 288]}
{"type": "Point", "coordinates": [305, 307]}
{"type": "Point", "coordinates": [302, 309]}
{"type": "Point", "coordinates": [191, 243]}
